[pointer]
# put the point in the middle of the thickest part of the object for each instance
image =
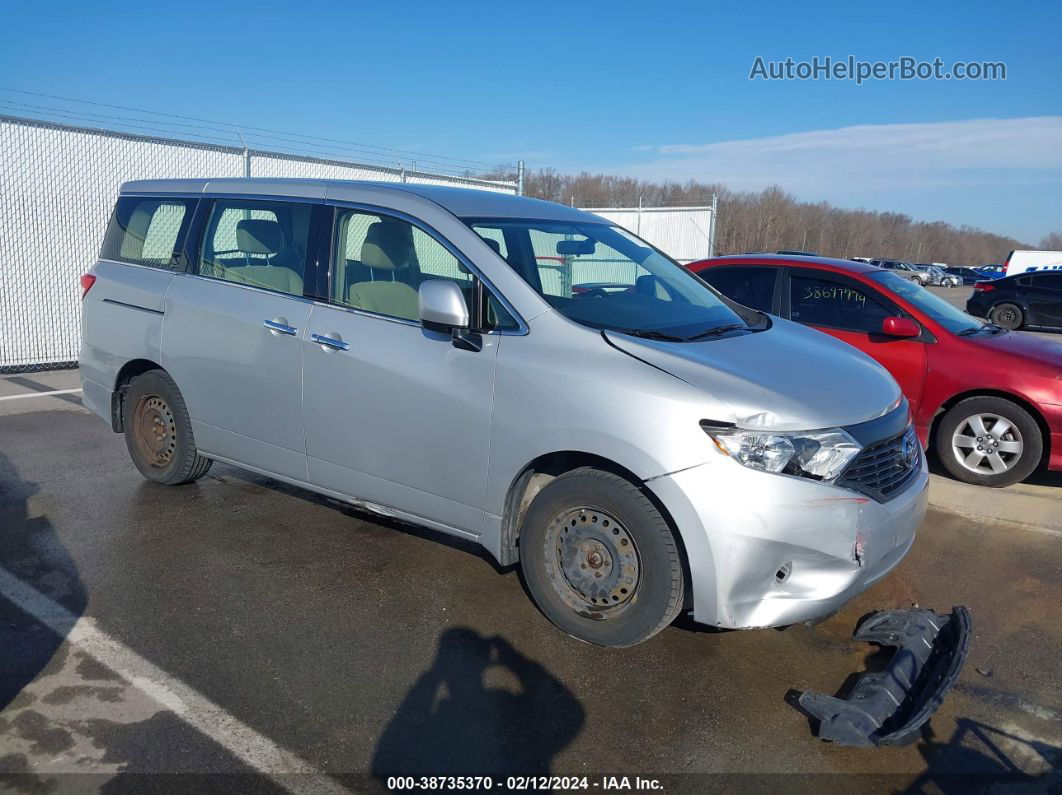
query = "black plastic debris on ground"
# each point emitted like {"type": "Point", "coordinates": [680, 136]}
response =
{"type": "Point", "coordinates": [890, 707]}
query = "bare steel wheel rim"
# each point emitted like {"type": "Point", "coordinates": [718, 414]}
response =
{"type": "Point", "coordinates": [1006, 316]}
{"type": "Point", "coordinates": [987, 444]}
{"type": "Point", "coordinates": [155, 431]}
{"type": "Point", "coordinates": [592, 562]}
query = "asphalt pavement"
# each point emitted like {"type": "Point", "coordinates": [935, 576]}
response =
{"type": "Point", "coordinates": [250, 635]}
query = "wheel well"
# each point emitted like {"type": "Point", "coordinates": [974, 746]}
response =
{"type": "Point", "coordinates": [1034, 412]}
{"type": "Point", "coordinates": [129, 371]}
{"type": "Point", "coordinates": [545, 468]}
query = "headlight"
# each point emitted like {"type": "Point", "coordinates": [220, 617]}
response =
{"type": "Point", "coordinates": [820, 455]}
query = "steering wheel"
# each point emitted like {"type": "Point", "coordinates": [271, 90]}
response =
{"type": "Point", "coordinates": [593, 292]}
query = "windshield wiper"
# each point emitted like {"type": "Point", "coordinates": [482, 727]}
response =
{"type": "Point", "coordinates": [717, 330]}
{"type": "Point", "coordinates": [650, 334]}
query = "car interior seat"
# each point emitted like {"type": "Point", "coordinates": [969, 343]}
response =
{"type": "Point", "coordinates": [266, 258]}
{"type": "Point", "coordinates": [387, 272]}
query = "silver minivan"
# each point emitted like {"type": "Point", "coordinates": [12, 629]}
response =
{"type": "Point", "coordinates": [514, 372]}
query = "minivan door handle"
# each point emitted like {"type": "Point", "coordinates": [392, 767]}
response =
{"type": "Point", "coordinates": [330, 342]}
{"type": "Point", "coordinates": [280, 326]}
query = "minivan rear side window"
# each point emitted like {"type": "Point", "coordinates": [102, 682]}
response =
{"type": "Point", "coordinates": [147, 231]}
{"type": "Point", "coordinates": [262, 244]}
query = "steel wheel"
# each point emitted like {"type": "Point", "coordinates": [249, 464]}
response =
{"type": "Point", "coordinates": [155, 431]}
{"type": "Point", "coordinates": [592, 563]}
{"type": "Point", "coordinates": [1007, 316]}
{"type": "Point", "coordinates": [987, 444]}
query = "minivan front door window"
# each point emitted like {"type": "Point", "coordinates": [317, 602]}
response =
{"type": "Point", "coordinates": [603, 277]}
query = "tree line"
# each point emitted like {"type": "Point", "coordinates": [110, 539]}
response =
{"type": "Point", "coordinates": [774, 220]}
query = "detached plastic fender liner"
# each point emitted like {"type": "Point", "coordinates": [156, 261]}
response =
{"type": "Point", "coordinates": [890, 707]}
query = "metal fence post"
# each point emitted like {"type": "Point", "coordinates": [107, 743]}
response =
{"type": "Point", "coordinates": [519, 177]}
{"type": "Point", "coordinates": [711, 228]}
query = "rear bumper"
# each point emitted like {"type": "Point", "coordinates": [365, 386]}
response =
{"type": "Point", "coordinates": [976, 308]}
{"type": "Point", "coordinates": [97, 399]}
{"type": "Point", "coordinates": [769, 550]}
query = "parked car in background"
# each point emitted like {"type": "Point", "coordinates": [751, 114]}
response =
{"type": "Point", "coordinates": [938, 276]}
{"type": "Point", "coordinates": [1014, 302]}
{"type": "Point", "coordinates": [904, 269]}
{"type": "Point", "coordinates": [987, 399]}
{"type": "Point", "coordinates": [640, 445]}
{"type": "Point", "coordinates": [1026, 261]}
{"type": "Point", "coordinates": [966, 276]}
{"type": "Point", "coordinates": [990, 271]}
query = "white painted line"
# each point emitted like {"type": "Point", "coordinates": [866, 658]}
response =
{"type": "Point", "coordinates": [40, 394]}
{"type": "Point", "coordinates": [254, 750]}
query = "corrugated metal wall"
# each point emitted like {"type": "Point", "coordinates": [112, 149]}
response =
{"type": "Point", "coordinates": [57, 189]}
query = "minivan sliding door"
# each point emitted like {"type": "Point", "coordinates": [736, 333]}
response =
{"type": "Point", "coordinates": [235, 327]}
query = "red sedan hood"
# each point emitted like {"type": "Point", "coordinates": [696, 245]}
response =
{"type": "Point", "coordinates": [1028, 346]}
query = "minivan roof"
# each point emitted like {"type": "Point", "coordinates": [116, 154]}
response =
{"type": "Point", "coordinates": [462, 202]}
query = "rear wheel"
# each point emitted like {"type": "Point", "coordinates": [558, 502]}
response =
{"type": "Point", "coordinates": [1007, 316]}
{"type": "Point", "coordinates": [989, 441]}
{"type": "Point", "coordinates": [599, 560]}
{"type": "Point", "coordinates": [158, 432]}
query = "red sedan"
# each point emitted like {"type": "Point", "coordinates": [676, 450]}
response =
{"type": "Point", "coordinates": [988, 399]}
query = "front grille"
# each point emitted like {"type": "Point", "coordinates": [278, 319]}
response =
{"type": "Point", "coordinates": [885, 467]}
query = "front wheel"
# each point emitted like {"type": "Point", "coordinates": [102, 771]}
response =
{"type": "Point", "coordinates": [158, 431]}
{"type": "Point", "coordinates": [599, 559]}
{"type": "Point", "coordinates": [989, 441]}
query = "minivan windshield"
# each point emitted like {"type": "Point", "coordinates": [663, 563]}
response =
{"type": "Point", "coordinates": [950, 317]}
{"type": "Point", "coordinates": [603, 277]}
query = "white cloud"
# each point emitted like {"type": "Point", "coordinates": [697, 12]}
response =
{"type": "Point", "coordinates": [870, 158]}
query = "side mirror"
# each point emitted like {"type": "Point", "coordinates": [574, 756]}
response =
{"type": "Point", "coordinates": [442, 306]}
{"type": "Point", "coordinates": [900, 327]}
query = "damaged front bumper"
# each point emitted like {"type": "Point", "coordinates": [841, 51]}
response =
{"type": "Point", "coordinates": [889, 707]}
{"type": "Point", "coordinates": [768, 550]}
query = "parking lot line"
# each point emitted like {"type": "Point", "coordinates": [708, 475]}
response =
{"type": "Point", "coordinates": [256, 751]}
{"type": "Point", "coordinates": [40, 394]}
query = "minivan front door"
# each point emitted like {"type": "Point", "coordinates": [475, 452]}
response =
{"type": "Point", "coordinates": [234, 333]}
{"type": "Point", "coordinates": [396, 415]}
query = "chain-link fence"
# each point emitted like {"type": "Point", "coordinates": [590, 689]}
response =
{"type": "Point", "coordinates": [58, 185]}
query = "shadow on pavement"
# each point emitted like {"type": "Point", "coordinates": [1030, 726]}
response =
{"type": "Point", "coordinates": [31, 551]}
{"type": "Point", "coordinates": [981, 758]}
{"type": "Point", "coordinates": [481, 709]}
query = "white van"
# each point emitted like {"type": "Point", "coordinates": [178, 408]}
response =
{"type": "Point", "coordinates": [1027, 261]}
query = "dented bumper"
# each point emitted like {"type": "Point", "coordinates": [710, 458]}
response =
{"type": "Point", "coordinates": [769, 550]}
{"type": "Point", "coordinates": [889, 707]}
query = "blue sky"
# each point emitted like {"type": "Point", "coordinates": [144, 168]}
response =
{"type": "Point", "coordinates": [658, 90]}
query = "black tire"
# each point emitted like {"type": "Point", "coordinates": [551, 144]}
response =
{"type": "Point", "coordinates": [610, 514]}
{"type": "Point", "coordinates": [1026, 433]}
{"type": "Point", "coordinates": [1008, 316]}
{"type": "Point", "coordinates": [158, 432]}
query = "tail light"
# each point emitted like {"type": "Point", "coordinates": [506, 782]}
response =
{"type": "Point", "coordinates": [87, 280]}
{"type": "Point", "coordinates": [983, 287]}
{"type": "Point", "coordinates": [1006, 263]}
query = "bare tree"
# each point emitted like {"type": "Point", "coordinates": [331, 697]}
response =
{"type": "Point", "coordinates": [774, 219]}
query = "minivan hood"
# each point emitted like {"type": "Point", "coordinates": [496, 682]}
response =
{"type": "Point", "coordinates": [787, 378]}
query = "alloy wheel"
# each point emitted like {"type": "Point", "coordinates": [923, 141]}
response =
{"type": "Point", "coordinates": [987, 444]}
